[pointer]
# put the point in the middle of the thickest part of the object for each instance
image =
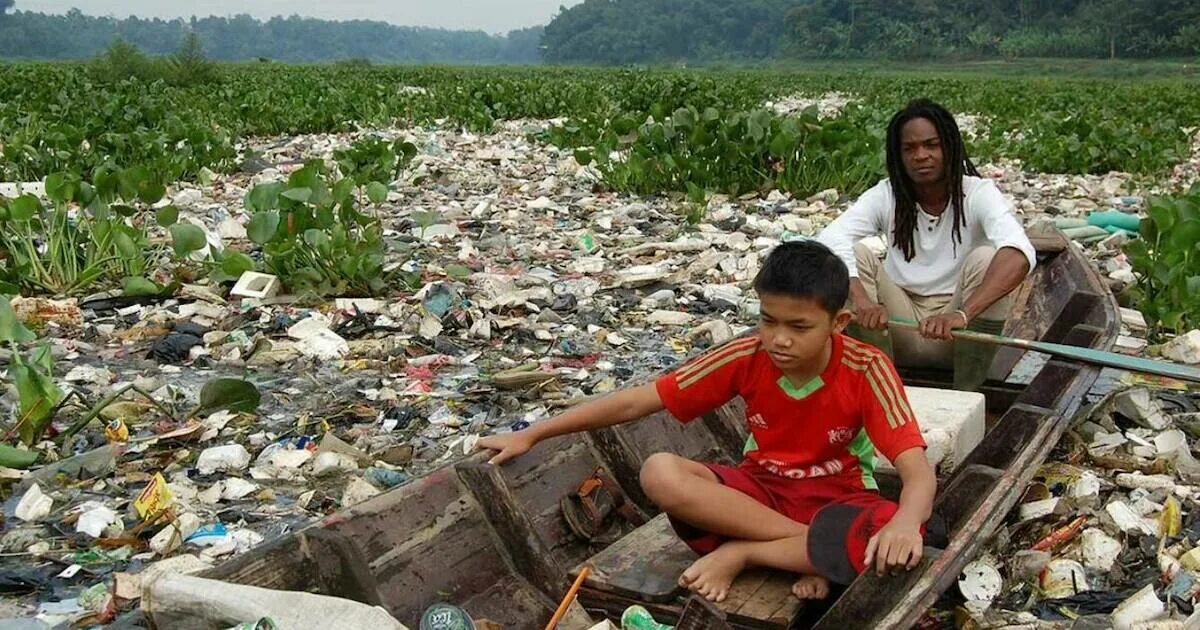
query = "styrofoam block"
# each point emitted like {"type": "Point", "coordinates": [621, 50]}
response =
{"type": "Point", "coordinates": [256, 285]}
{"type": "Point", "coordinates": [952, 423]}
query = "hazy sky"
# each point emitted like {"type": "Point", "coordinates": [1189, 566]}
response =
{"type": "Point", "coordinates": [490, 15]}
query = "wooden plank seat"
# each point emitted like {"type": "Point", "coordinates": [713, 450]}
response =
{"type": "Point", "coordinates": [644, 568]}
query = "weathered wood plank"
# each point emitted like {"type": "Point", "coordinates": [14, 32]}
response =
{"type": "Point", "coordinates": [509, 603]}
{"type": "Point", "coordinates": [724, 424]}
{"type": "Point", "coordinates": [625, 463]}
{"type": "Point", "coordinates": [699, 614]}
{"type": "Point", "coordinates": [281, 564]}
{"type": "Point", "coordinates": [964, 492]}
{"type": "Point", "coordinates": [772, 602]}
{"type": "Point", "coordinates": [743, 589]}
{"type": "Point", "coordinates": [342, 571]}
{"type": "Point", "coordinates": [514, 534]}
{"type": "Point", "coordinates": [645, 564]}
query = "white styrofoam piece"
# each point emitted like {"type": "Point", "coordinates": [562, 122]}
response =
{"type": "Point", "coordinates": [952, 423]}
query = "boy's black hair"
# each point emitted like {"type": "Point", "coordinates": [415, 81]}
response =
{"type": "Point", "coordinates": [954, 160]}
{"type": "Point", "coordinates": [807, 270]}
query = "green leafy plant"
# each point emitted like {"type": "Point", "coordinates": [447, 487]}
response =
{"type": "Point", "coordinates": [730, 151]}
{"type": "Point", "coordinates": [37, 395]}
{"type": "Point", "coordinates": [374, 162]}
{"type": "Point", "coordinates": [1166, 262]}
{"type": "Point", "coordinates": [189, 66]}
{"type": "Point", "coordinates": [87, 237]}
{"type": "Point", "coordinates": [314, 236]}
{"type": "Point", "coordinates": [697, 204]}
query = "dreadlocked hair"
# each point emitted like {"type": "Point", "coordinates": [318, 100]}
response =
{"type": "Point", "coordinates": [957, 164]}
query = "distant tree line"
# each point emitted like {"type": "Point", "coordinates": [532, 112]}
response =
{"type": "Point", "coordinates": [659, 31]}
{"type": "Point", "coordinates": [28, 35]}
{"type": "Point", "coordinates": [641, 31]}
{"type": "Point", "coordinates": [633, 31]}
{"type": "Point", "coordinates": [995, 28]}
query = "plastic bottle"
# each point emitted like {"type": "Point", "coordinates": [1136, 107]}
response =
{"type": "Point", "coordinates": [1115, 218]}
{"type": "Point", "coordinates": [638, 618]}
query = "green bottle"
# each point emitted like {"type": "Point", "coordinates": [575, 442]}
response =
{"type": "Point", "coordinates": [638, 618]}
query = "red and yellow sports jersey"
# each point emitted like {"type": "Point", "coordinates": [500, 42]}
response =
{"type": "Point", "coordinates": [830, 426]}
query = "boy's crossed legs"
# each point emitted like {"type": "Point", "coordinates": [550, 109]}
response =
{"type": "Point", "coordinates": [691, 493]}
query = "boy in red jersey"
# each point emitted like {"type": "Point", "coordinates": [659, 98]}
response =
{"type": "Point", "coordinates": [817, 404]}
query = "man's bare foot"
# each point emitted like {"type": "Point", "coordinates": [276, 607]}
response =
{"type": "Point", "coordinates": [811, 587]}
{"type": "Point", "coordinates": [712, 575]}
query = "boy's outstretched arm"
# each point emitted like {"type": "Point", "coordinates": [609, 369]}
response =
{"type": "Point", "coordinates": [899, 543]}
{"type": "Point", "coordinates": [616, 408]}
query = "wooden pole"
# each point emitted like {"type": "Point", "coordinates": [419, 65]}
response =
{"type": "Point", "coordinates": [566, 602]}
{"type": "Point", "coordinates": [1084, 355]}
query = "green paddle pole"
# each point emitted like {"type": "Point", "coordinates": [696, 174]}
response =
{"type": "Point", "coordinates": [1090, 356]}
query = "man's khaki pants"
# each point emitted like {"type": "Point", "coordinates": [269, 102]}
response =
{"type": "Point", "coordinates": [909, 347]}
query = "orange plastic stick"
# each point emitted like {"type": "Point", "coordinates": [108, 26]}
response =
{"type": "Point", "coordinates": [1062, 535]}
{"type": "Point", "coordinates": [566, 602]}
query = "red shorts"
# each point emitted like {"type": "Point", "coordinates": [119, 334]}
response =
{"type": "Point", "coordinates": [800, 500]}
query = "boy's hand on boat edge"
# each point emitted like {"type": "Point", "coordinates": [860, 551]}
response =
{"type": "Point", "coordinates": [509, 445]}
{"type": "Point", "coordinates": [898, 545]}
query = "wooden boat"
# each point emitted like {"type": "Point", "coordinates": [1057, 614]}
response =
{"type": "Point", "coordinates": [494, 539]}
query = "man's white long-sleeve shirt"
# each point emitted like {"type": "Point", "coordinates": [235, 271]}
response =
{"type": "Point", "coordinates": [937, 261]}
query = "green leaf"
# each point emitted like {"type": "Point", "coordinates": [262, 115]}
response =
{"type": "Point", "coordinates": [151, 191]}
{"type": "Point", "coordinates": [123, 210]}
{"type": "Point", "coordinates": [262, 226]}
{"type": "Point", "coordinates": [264, 197]}
{"type": "Point", "coordinates": [36, 392]}
{"type": "Point", "coordinates": [24, 208]}
{"type": "Point", "coordinates": [307, 177]}
{"type": "Point", "coordinates": [133, 180]}
{"type": "Point", "coordinates": [187, 238]}
{"type": "Point", "coordinates": [12, 457]}
{"type": "Point", "coordinates": [583, 156]}
{"type": "Point", "coordinates": [781, 145]}
{"type": "Point", "coordinates": [166, 216]}
{"type": "Point", "coordinates": [1185, 234]}
{"type": "Point", "coordinates": [343, 191]}
{"type": "Point", "coordinates": [377, 192]}
{"type": "Point", "coordinates": [315, 237]}
{"type": "Point", "coordinates": [136, 286]}
{"type": "Point", "coordinates": [86, 194]}
{"type": "Point", "coordinates": [232, 394]}
{"type": "Point", "coordinates": [11, 328]}
{"type": "Point", "coordinates": [125, 245]}
{"type": "Point", "coordinates": [624, 125]}
{"type": "Point", "coordinates": [298, 194]}
{"type": "Point", "coordinates": [236, 263]}
{"type": "Point", "coordinates": [684, 118]}
{"type": "Point", "coordinates": [106, 181]}
{"type": "Point", "coordinates": [59, 187]}
{"type": "Point", "coordinates": [1163, 216]}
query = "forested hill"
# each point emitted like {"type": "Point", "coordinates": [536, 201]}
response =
{"type": "Point", "coordinates": [28, 35]}
{"type": "Point", "coordinates": [629, 31]}
{"type": "Point", "coordinates": [640, 31]}
{"type": "Point", "coordinates": [660, 31]}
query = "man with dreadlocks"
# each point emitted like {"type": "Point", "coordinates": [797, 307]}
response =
{"type": "Point", "coordinates": [955, 249]}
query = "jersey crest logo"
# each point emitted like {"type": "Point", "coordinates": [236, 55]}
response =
{"type": "Point", "coordinates": [840, 435]}
{"type": "Point", "coordinates": [757, 421]}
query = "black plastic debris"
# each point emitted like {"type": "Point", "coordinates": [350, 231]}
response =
{"type": "Point", "coordinates": [15, 581]}
{"type": "Point", "coordinates": [174, 347]}
{"type": "Point", "coordinates": [1078, 605]}
{"type": "Point", "coordinates": [565, 303]}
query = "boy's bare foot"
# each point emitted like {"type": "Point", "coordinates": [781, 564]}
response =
{"type": "Point", "coordinates": [712, 575]}
{"type": "Point", "coordinates": [811, 587]}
